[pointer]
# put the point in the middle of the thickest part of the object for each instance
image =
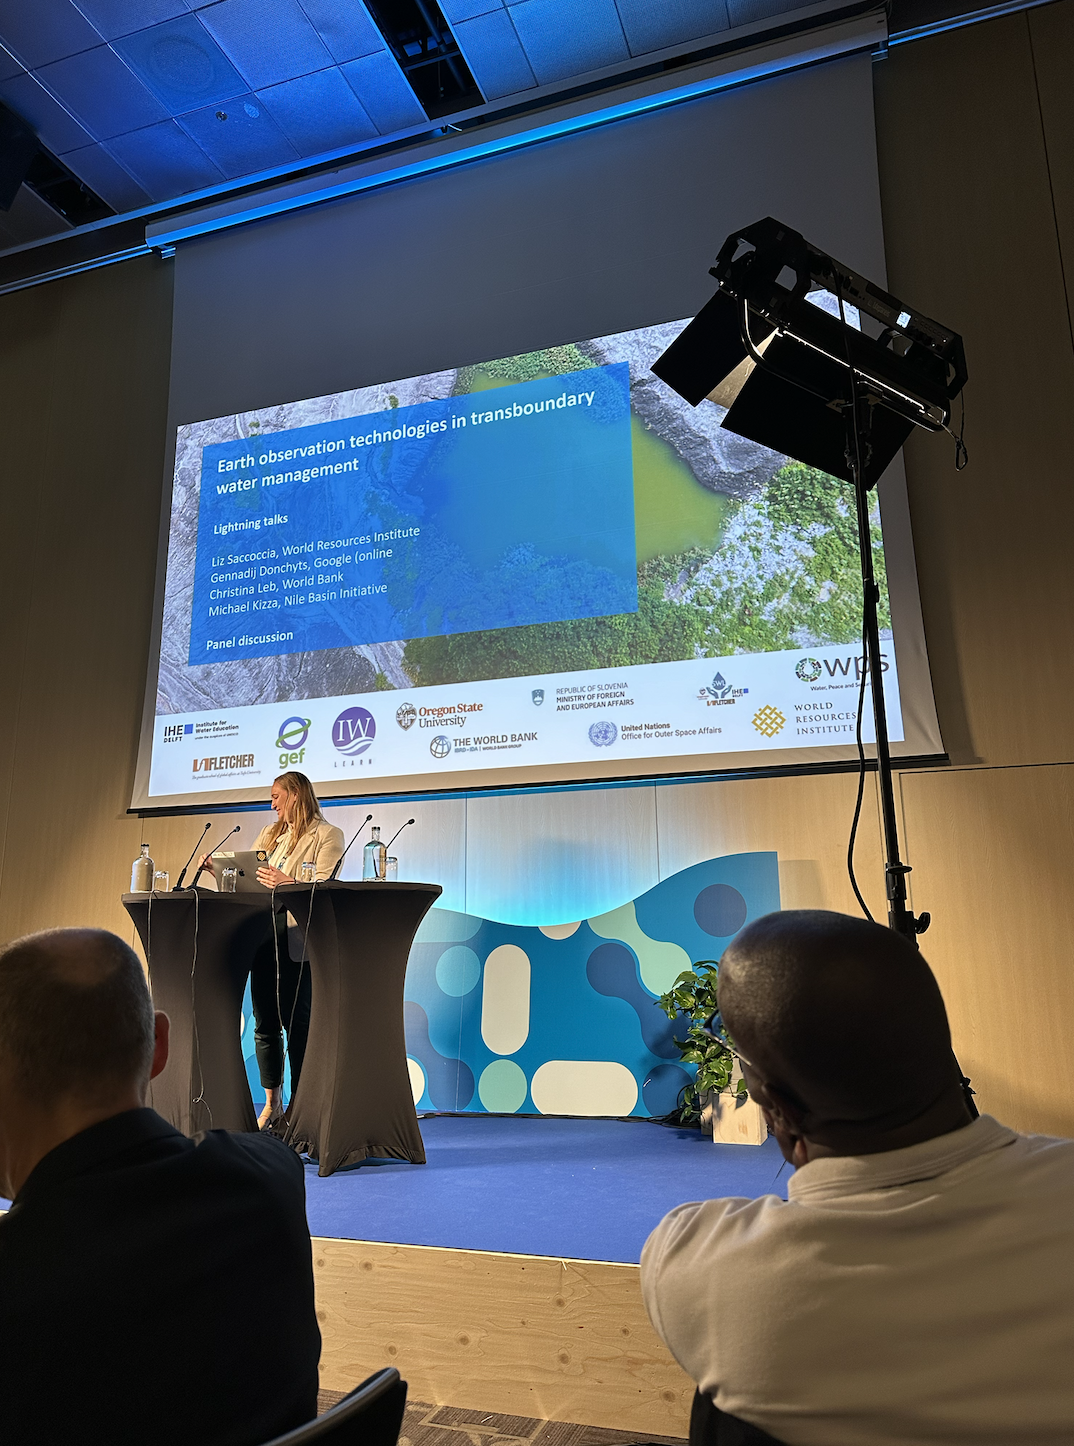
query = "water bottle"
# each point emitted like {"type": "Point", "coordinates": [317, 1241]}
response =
{"type": "Point", "coordinates": [374, 857]}
{"type": "Point", "coordinates": [142, 872]}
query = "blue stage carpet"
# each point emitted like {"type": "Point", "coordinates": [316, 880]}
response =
{"type": "Point", "coordinates": [581, 1189]}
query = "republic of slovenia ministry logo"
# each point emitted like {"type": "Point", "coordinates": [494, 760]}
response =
{"type": "Point", "coordinates": [354, 731]}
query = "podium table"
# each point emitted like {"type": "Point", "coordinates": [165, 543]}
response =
{"type": "Point", "coordinates": [354, 1098]}
{"type": "Point", "coordinates": [199, 946]}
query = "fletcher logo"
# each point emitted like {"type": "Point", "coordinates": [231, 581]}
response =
{"type": "Point", "coordinates": [224, 764]}
{"type": "Point", "coordinates": [176, 732]}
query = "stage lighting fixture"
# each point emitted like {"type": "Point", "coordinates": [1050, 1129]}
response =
{"type": "Point", "coordinates": [818, 363]}
{"type": "Point", "coordinates": [785, 368]}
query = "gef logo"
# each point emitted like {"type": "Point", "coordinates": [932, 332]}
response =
{"type": "Point", "coordinates": [354, 730]}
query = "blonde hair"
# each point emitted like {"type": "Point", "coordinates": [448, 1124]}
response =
{"type": "Point", "coordinates": [305, 811]}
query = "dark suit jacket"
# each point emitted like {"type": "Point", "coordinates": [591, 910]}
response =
{"type": "Point", "coordinates": [156, 1289]}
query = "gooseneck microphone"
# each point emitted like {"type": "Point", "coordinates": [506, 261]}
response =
{"type": "Point", "coordinates": [347, 850]}
{"type": "Point", "coordinates": [397, 832]}
{"type": "Point", "coordinates": [190, 860]}
{"type": "Point", "coordinates": [201, 867]}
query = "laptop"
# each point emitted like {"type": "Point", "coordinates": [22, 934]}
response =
{"type": "Point", "coordinates": [247, 861]}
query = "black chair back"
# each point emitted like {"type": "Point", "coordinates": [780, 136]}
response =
{"type": "Point", "coordinates": [709, 1426]}
{"type": "Point", "coordinates": [370, 1415]}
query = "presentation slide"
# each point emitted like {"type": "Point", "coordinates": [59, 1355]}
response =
{"type": "Point", "coordinates": [547, 561]}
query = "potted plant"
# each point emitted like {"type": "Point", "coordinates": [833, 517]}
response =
{"type": "Point", "coordinates": [693, 995]}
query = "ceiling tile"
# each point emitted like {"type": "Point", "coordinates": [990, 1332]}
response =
{"type": "Point", "coordinates": [38, 31]}
{"type": "Point", "coordinates": [9, 66]}
{"type": "Point", "coordinates": [247, 140]}
{"type": "Point", "coordinates": [99, 89]}
{"type": "Point", "coordinates": [318, 112]}
{"type": "Point", "coordinates": [562, 39]}
{"type": "Point", "coordinates": [269, 40]}
{"type": "Point", "coordinates": [346, 29]}
{"type": "Point", "coordinates": [494, 54]}
{"type": "Point", "coordinates": [122, 17]}
{"type": "Point", "coordinates": [181, 64]}
{"type": "Point", "coordinates": [652, 24]}
{"type": "Point", "coordinates": [459, 10]}
{"type": "Point", "coordinates": [165, 160]}
{"type": "Point", "coordinates": [106, 177]}
{"type": "Point", "coordinates": [388, 100]}
{"type": "Point", "coordinates": [54, 127]}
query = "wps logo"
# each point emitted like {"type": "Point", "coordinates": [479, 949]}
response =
{"type": "Point", "coordinates": [354, 731]}
{"type": "Point", "coordinates": [840, 667]}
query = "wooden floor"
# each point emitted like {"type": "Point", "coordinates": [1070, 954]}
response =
{"type": "Point", "coordinates": [514, 1335]}
{"type": "Point", "coordinates": [428, 1425]}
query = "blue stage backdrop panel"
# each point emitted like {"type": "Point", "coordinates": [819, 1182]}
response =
{"type": "Point", "coordinates": [562, 1019]}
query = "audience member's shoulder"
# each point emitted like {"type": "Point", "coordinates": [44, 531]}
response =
{"type": "Point", "coordinates": [251, 1154]}
{"type": "Point", "coordinates": [706, 1225]}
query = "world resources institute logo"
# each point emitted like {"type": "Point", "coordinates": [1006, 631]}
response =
{"type": "Point", "coordinates": [807, 670]}
{"type": "Point", "coordinates": [603, 734]}
{"type": "Point", "coordinates": [354, 731]}
{"type": "Point", "coordinates": [768, 721]}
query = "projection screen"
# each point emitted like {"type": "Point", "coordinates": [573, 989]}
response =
{"type": "Point", "coordinates": [431, 523]}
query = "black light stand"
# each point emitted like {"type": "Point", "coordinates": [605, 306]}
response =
{"type": "Point", "coordinates": [836, 397]}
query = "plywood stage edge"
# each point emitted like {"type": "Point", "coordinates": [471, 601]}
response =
{"type": "Point", "coordinates": [560, 1340]}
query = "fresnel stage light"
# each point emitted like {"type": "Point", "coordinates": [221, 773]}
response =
{"type": "Point", "coordinates": [840, 392]}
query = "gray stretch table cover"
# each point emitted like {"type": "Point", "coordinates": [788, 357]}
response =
{"type": "Point", "coordinates": [354, 1098]}
{"type": "Point", "coordinates": [204, 1085]}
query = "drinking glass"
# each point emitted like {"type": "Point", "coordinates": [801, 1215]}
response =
{"type": "Point", "coordinates": [161, 881]}
{"type": "Point", "coordinates": [229, 879]}
{"type": "Point", "coordinates": [307, 872]}
{"type": "Point", "coordinates": [392, 873]}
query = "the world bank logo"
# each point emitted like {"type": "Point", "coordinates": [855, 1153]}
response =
{"type": "Point", "coordinates": [440, 746]}
{"type": "Point", "coordinates": [807, 670]}
{"type": "Point", "coordinates": [354, 731]}
{"type": "Point", "coordinates": [293, 734]}
{"type": "Point", "coordinates": [406, 715]}
{"type": "Point", "coordinates": [603, 734]}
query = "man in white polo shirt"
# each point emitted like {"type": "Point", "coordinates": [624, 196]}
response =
{"type": "Point", "coordinates": [918, 1285]}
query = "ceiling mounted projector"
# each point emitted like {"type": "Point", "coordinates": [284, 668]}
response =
{"type": "Point", "coordinates": [766, 349]}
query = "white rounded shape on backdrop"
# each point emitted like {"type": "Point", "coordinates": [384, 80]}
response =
{"type": "Point", "coordinates": [584, 1087]}
{"type": "Point", "coordinates": [417, 1078]}
{"type": "Point", "coordinates": [559, 931]}
{"type": "Point", "coordinates": [505, 999]}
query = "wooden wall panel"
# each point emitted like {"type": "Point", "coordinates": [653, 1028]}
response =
{"type": "Point", "coordinates": [806, 820]}
{"type": "Point", "coordinates": [1051, 37]}
{"type": "Point", "coordinates": [562, 1340]}
{"type": "Point", "coordinates": [993, 852]}
{"type": "Point", "coordinates": [971, 240]}
{"type": "Point", "coordinates": [98, 420]}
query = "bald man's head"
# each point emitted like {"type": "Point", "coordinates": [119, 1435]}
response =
{"type": "Point", "coordinates": [843, 1016]}
{"type": "Point", "coordinates": [75, 1016]}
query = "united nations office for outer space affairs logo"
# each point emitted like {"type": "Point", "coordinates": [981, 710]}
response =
{"type": "Point", "coordinates": [807, 670]}
{"type": "Point", "coordinates": [406, 715]}
{"type": "Point", "coordinates": [440, 746]}
{"type": "Point", "coordinates": [293, 734]}
{"type": "Point", "coordinates": [354, 730]}
{"type": "Point", "coordinates": [603, 734]}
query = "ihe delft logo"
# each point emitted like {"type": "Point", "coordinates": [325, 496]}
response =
{"type": "Point", "coordinates": [720, 692]}
{"type": "Point", "coordinates": [807, 670]}
{"type": "Point", "coordinates": [603, 734]}
{"type": "Point", "coordinates": [293, 734]}
{"type": "Point", "coordinates": [538, 697]}
{"type": "Point", "coordinates": [176, 732]}
{"type": "Point", "coordinates": [354, 730]}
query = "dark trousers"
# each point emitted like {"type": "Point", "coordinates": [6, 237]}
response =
{"type": "Point", "coordinates": [277, 1009]}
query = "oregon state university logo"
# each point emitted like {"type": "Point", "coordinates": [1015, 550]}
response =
{"type": "Point", "coordinates": [354, 730]}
